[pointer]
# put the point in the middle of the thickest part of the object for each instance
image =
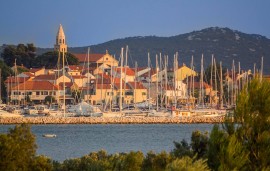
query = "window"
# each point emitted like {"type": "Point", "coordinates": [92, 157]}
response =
{"type": "Point", "coordinates": [45, 93]}
{"type": "Point", "coordinates": [37, 93]}
{"type": "Point", "coordinates": [143, 93]}
{"type": "Point", "coordinates": [60, 41]}
{"type": "Point", "coordinates": [63, 41]}
{"type": "Point", "coordinates": [129, 93]}
{"type": "Point", "coordinates": [106, 59]}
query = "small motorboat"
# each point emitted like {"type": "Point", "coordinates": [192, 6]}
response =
{"type": "Point", "coordinates": [49, 135]}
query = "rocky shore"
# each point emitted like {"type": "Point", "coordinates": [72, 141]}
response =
{"type": "Point", "coordinates": [110, 120]}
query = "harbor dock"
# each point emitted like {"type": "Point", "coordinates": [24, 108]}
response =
{"type": "Point", "coordinates": [111, 120]}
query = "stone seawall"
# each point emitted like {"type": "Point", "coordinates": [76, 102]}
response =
{"type": "Point", "coordinates": [110, 120]}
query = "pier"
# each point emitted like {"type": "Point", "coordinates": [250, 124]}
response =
{"type": "Point", "coordinates": [111, 120]}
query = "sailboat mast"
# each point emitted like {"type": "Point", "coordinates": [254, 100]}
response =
{"type": "Point", "coordinates": [135, 90]}
{"type": "Point", "coordinates": [157, 70]}
{"type": "Point", "coordinates": [88, 80]}
{"type": "Point", "coordinates": [261, 69]}
{"type": "Point", "coordinates": [161, 80]}
{"type": "Point", "coordinates": [193, 68]}
{"type": "Point", "coordinates": [126, 72]}
{"type": "Point", "coordinates": [221, 87]}
{"type": "Point", "coordinates": [215, 65]}
{"type": "Point", "coordinates": [166, 79]}
{"type": "Point", "coordinates": [211, 80]}
{"type": "Point", "coordinates": [102, 72]}
{"type": "Point", "coordinates": [149, 80]}
{"type": "Point", "coordinates": [228, 83]}
{"type": "Point", "coordinates": [201, 83]}
{"type": "Point", "coordinates": [174, 71]}
{"type": "Point", "coordinates": [64, 87]}
{"type": "Point", "coordinates": [239, 78]}
{"type": "Point", "coordinates": [121, 81]}
{"type": "Point", "coordinates": [1, 86]}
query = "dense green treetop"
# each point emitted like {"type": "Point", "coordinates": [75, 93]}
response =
{"type": "Point", "coordinates": [51, 59]}
{"type": "Point", "coordinates": [18, 151]}
{"type": "Point", "coordinates": [23, 54]}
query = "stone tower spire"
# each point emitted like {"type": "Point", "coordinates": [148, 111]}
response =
{"type": "Point", "coordinates": [60, 44]}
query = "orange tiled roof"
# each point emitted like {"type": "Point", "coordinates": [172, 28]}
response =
{"type": "Point", "coordinates": [78, 76]}
{"type": "Point", "coordinates": [103, 86]}
{"type": "Point", "coordinates": [33, 70]}
{"type": "Point", "coordinates": [75, 67]}
{"type": "Point", "coordinates": [117, 85]}
{"type": "Point", "coordinates": [92, 57]}
{"type": "Point", "coordinates": [15, 80]}
{"type": "Point", "coordinates": [138, 85]}
{"type": "Point", "coordinates": [197, 85]}
{"type": "Point", "coordinates": [46, 77]}
{"type": "Point", "coordinates": [152, 72]}
{"type": "Point", "coordinates": [67, 84]}
{"type": "Point", "coordinates": [128, 70]}
{"type": "Point", "coordinates": [29, 74]}
{"type": "Point", "coordinates": [36, 85]}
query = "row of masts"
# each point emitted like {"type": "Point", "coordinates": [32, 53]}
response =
{"type": "Point", "coordinates": [233, 88]}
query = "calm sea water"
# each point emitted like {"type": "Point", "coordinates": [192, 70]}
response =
{"type": "Point", "coordinates": [77, 140]}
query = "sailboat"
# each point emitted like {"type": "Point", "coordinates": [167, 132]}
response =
{"type": "Point", "coordinates": [57, 110]}
{"type": "Point", "coordinates": [84, 108]}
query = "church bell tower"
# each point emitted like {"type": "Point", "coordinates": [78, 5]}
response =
{"type": "Point", "coordinates": [60, 44]}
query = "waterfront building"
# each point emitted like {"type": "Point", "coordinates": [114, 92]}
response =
{"type": "Point", "coordinates": [53, 78]}
{"type": "Point", "coordinates": [183, 72]}
{"type": "Point", "coordinates": [96, 59]}
{"type": "Point", "coordinates": [128, 75]}
{"type": "Point", "coordinates": [34, 91]}
{"type": "Point", "coordinates": [37, 71]}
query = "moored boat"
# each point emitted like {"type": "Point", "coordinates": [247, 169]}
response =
{"type": "Point", "coordinates": [49, 135]}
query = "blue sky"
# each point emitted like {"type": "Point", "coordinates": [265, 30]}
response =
{"type": "Point", "coordinates": [89, 22]}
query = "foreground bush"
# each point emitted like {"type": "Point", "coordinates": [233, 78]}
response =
{"type": "Point", "coordinates": [18, 151]}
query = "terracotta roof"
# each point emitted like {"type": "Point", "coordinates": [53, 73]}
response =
{"type": "Point", "coordinates": [46, 77]}
{"type": "Point", "coordinates": [103, 86]}
{"type": "Point", "coordinates": [105, 76]}
{"type": "Point", "coordinates": [197, 85]}
{"type": "Point", "coordinates": [33, 70]}
{"type": "Point", "coordinates": [15, 79]}
{"type": "Point", "coordinates": [36, 85]}
{"type": "Point", "coordinates": [138, 85]}
{"type": "Point", "coordinates": [29, 74]}
{"type": "Point", "coordinates": [152, 72]}
{"type": "Point", "coordinates": [67, 84]}
{"type": "Point", "coordinates": [141, 68]}
{"type": "Point", "coordinates": [117, 85]}
{"type": "Point", "coordinates": [168, 87]}
{"type": "Point", "coordinates": [75, 67]}
{"type": "Point", "coordinates": [128, 70]}
{"type": "Point", "coordinates": [92, 57]}
{"type": "Point", "coordinates": [78, 76]}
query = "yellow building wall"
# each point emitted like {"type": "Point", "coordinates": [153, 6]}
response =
{"type": "Point", "coordinates": [109, 60]}
{"type": "Point", "coordinates": [183, 72]}
{"type": "Point", "coordinates": [140, 96]}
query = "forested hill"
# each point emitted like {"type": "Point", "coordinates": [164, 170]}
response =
{"type": "Point", "coordinates": [226, 45]}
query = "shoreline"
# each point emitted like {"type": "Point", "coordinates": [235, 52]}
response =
{"type": "Point", "coordinates": [111, 120]}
